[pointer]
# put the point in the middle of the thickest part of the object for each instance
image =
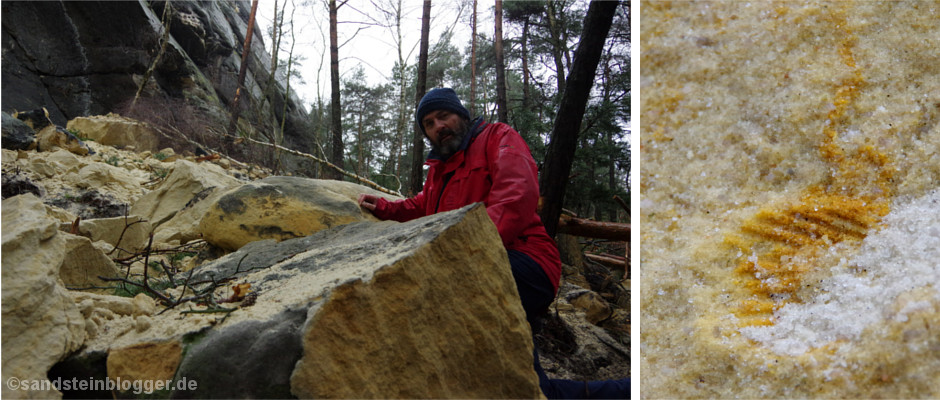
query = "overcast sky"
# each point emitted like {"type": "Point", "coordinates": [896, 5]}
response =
{"type": "Point", "coordinates": [371, 46]}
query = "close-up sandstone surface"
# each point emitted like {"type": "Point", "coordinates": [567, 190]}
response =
{"type": "Point", "coordinates": [790, 185]}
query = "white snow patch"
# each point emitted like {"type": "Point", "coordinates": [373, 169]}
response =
{"type": "Point", "coordinates": [899, 258]}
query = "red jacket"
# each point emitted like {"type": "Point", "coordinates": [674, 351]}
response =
{"type": "Point", "coordinates": [496, 168]}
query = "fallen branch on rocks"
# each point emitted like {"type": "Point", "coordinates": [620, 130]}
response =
{"type": "Point", "coordinates": [209, 311]}
{"type": "Point", "coordinates": [178, 249]}
{"type": "Point", "coordinates": [145, 284]}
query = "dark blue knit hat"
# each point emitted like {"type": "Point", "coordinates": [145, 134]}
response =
{"type": "Point", "coordinates": [439, 99]}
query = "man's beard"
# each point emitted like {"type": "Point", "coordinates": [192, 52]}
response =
{"type": "Point", "coordinates": [450, 140]}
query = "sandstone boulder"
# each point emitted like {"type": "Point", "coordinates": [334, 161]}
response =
{"type": "Point", "coordinates": [106, 179]}
{"type": "Point", "coordinates": [36, 119]}
{"type": "Point", "coordinates": [129, 234]}
{"type": "Point", "coordinates": [16, 134]}
{"type": "Point", "coordinates": [54, 137]}
{"type": "Point", "coordinates": [61, 161]}
{"type": "Point", "coordinates": [594, 307]}
{"type": "Point", "coordinates": [115, 130]}
{"type": "Point", "coordinates": [41, 324]}
{"type": "Point", "coordinates": [118, 131]}
{"type": "Point", "coordinates": [184, 226]}
{"type": "Point", "coordinates": [84, 264]}
{"type": "Point", "coordinates": [166, 155]}
{"type": "Point", "coordinates": [181, 186]}
{"type": "Point", "coordinates": [153, 361]}
{"type": "Point", "coordinates": [282, 208]}
{"type": "Point", "coordinates": [72, 173]}
{"type": "Point", "coordinates": [423, 309]}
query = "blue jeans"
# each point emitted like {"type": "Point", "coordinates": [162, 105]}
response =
{"type": "Point", "coordinates": [537, 293]}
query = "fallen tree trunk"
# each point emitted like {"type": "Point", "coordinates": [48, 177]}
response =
{"type": "Point", "coordinates": [594, 229]}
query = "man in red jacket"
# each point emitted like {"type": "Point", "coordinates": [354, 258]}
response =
{"type": "Point", "coordinates": [474, 161]}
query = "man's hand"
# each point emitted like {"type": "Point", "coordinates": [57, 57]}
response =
{"type": "Point", "coordinates": [368, 201]}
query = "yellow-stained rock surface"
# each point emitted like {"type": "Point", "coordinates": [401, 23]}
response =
{"type": "Point", "coordinates": [401, 334]}
{"type": "Point", "coordinates": [154, 361]}
{"type": "Point", "coordinates": [790, 210]}
{"type": "Point", "coordinates": [281, 207]}
{"type": "Point", "coordinates": [115, 130]}
{"type": "Point", "coordinates": [84, 265]}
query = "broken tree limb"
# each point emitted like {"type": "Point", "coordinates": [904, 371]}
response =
{"type": "Point", "coordinates": [594, 229]}
{"type": "Point", "coordinates": [608, 260]}
{"type": "Point", "coordinates": [374, 185]}
{"type": "Point", "coordinates": [246, 50]}
{"type": "Point", "coordinates": [360, 179]}
{"type": "Point", "coordinates": [622, 204]}
{"type": "Point", "coordinates": [615, 257]}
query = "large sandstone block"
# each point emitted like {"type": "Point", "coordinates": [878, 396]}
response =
{"type": "Point", "coordinates": [412, 331]}
{"type": "Point", "coordinates": [41, 324]}
{"type": "Point", "coordinates": [182, 184]}
{"type": "Point", "coordinates": [84, 264]}
{"type": "Point", "coordinates": [281, 208]}
{"type": "Point", "coordinates": [129, 234]}
{"type": "Point", "coordinates": [790, 168]}
{"type": "Point", "coordinates": [423, 309]}
{"type": "Point", "coordinates": [184, 226]}
{"type": "Point", "coordinates": [53, 137]}
{"type": "Point", "coordinates": [73, 172]}
{"type": "Point", "coordinates": [118, 131]}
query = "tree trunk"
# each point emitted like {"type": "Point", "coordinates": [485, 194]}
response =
{"type": "Point", "coordinates": [502, 109]}
{"type": "Point", "coordinates": [279, 137]}
{"type": "Point", "coordinates": [270, 94]}
{"type": "Point", "coordinates": [243, 69]}
{"type": "Point", "coordinates": [557, 46]}
{"type": "Point", "coordinates": [473, 59]}
{"type": "Point", "coordinates": [611, 160]}
{"type": "Point", "coordinates": [359, 133]}
{"type": "Point", "coordinates": [276, 39]}
{"type": "Point", "coordinates": [417, 163]}
{"type": "Point", "coordinates": [336, 121]}
{"type": "Point", "coordinates": [611, 176]}
{"type": "Point", "coordinates": [400, 123]}
{"type": "Point", "coordinates": [564, 137]}
{"type": "Point", "coordinates": [526, 101]}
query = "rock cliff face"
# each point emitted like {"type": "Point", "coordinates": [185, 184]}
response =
{"type": "Point", "coordinates": [81, 58]}
{"type": "Point", "coordinates": [791, 160]}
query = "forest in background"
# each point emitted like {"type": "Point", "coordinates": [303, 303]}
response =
{"type": "Point", "coordinates": [374, 136]}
